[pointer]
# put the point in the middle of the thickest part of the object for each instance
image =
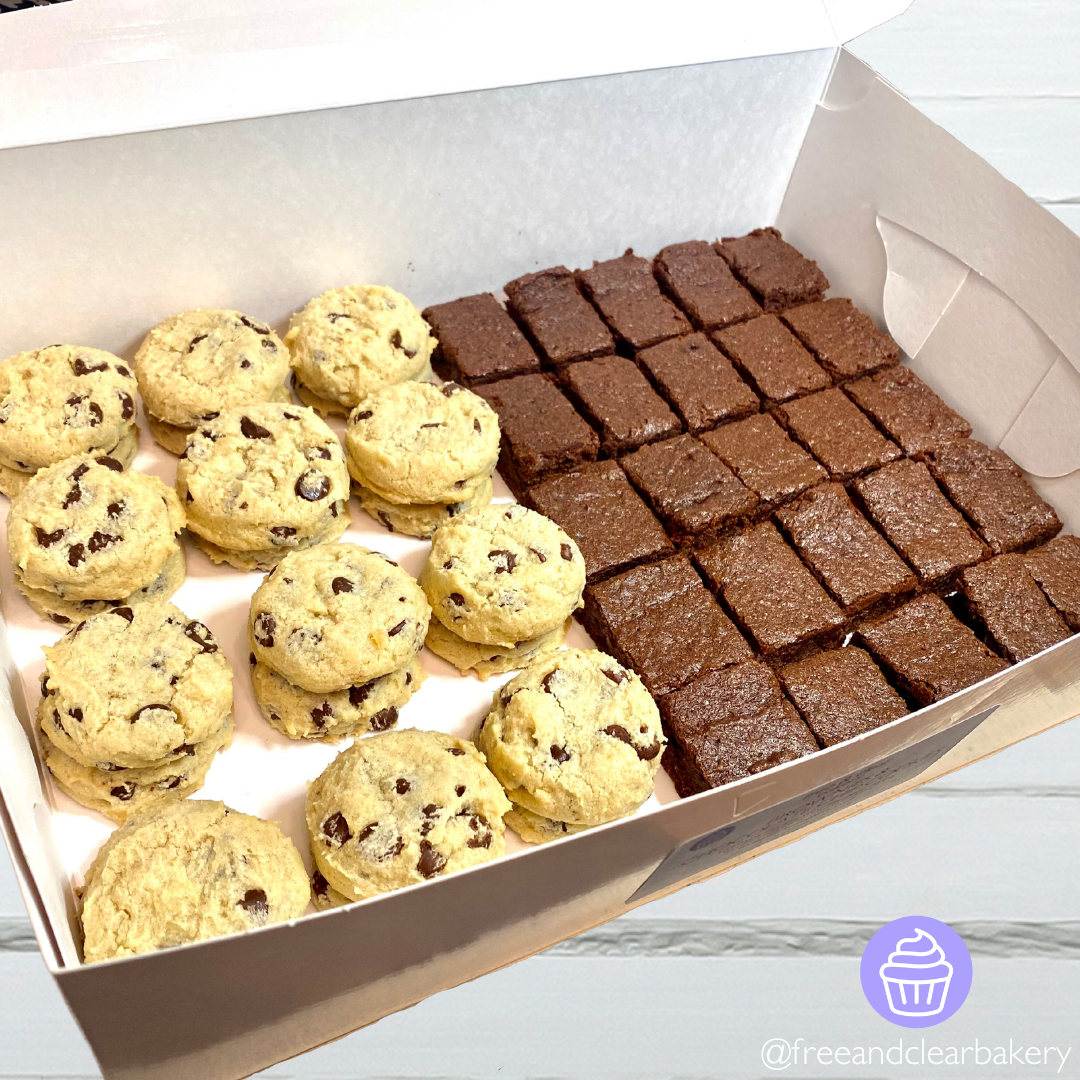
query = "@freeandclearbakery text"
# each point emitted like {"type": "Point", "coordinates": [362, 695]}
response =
{"type": "Point", "coordinates": [780, 1054]}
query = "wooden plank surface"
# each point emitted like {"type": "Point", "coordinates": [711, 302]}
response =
{"type": "Point", "coordinates": [693, 985]}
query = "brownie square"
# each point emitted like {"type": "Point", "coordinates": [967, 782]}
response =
{"type": "Point", "coordinates": [703, 285]}
{"type": "Point", "coordinates": [618, 399]}
{"type": "Point", "coordinates": [845, 341]}
{"type": "Point", "coordinates": [541, 431]}
{"type": "Point", "coordinates": [844, 551]}
{"type": "Point", "coordinates": [699, 381]}
{"type": "Point", "coordinates": [928, 651]}
{"type": "Point", "coordinates": [927, 530]}
{"type": "Point", "coordinates": [1003, 598]}
{"type": "Point", "coordinates": [1056, 568]}
{"type": "Point", "coordinates": [596, 505]}
{"type": "Point", "coordinates": [841, 693]}
{"type": "Point", "coordinates": [631, 301]}
{"type": "Point", "coordinates": [838, 434]}
{"type": "Point", "coordinates": [992, 492]}
{"type": "Point", "coordinates": [771, 358]}
{"type": "Point", "coordinates": [907, 410]}
{"type": "Point", "coordinates": [562, 324]}
{"type": "Point", "coordinates": [773, 597]}
{"type": "Point", "coordinates": [692, 491]}
{"type": "Point", "coordinates": [762, 456]}
{"type": "Point", "coordinates": [727, 725]}
{"type": "Point", "coordinates": [478, 341]}
{"type": "Point", "coordinates": [778, 274]}
{"type": "Point", "coordinates": [660, 620]}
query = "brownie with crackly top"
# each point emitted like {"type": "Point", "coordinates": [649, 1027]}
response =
{"type": "Point", "coordinates": [727, 725]}
{"type": "Point", "coordinates": [1056, 569]}
{"type": "Point", "coordinates": [841, 693]}
{"type": "Point", "coordinates": [772, 595]}
{"type": "Point", "coordinates": [627, 295]}
{"type": "Point", "coordinates": [660, 620]}
{"type": "Point", "coordinates": [702, 284]}
{"type": "Point", "coordinates": [844, 340]}
{"type": "Point", "coordinates": [561, 323]}
{"type": "Point", "coordinates": [777, 273]}
{"type": "Point", "coordinates": [993, 494]}
{"type": "Point", "coordinates": [928, 651]}
{"type": "Point", "coordinates": [771, 358]}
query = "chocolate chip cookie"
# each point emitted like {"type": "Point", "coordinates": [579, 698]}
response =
{"type": "Point", "coordinates": [339, 714]}
{"type": "Point", "coordinates": [84, 530]}
{"type": "Point", "coordinates": [534, 829]}
{"type": "Point", "coordinates": [503, 574]}
{"type": "Point", "coordinates": [61, 401]}
{"type": "Point", "coordinates": [194, 365]}
{"type": "Point", "coordinates": [575, 737]}
{"type": "Point", "coordinates": [349, 342]}
{"type": "Point", "coordinates": [263, 480]}
{"type": "Point", "coordinates": [337, 616]}
{"type": "Point", "coordinates": [419, 443]}
{"type": "Point", "coordinates": [488, 660]}
{"type": "Point", "coordinates": [420, 519]}
{"type": "Point", "coordinates": [135, 687]}
{"type": "Point", "coordinates": [187, 872]}
{"type": "Point", "coordinates": [403, 807]}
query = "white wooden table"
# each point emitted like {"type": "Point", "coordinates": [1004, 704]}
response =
{"type": "Point", "coordinates": [691, 987]}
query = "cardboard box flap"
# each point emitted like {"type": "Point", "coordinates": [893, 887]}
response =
{"type": "Point", "coordinates": [913, 226]}
{"type": "Point", "coordinates": [101, 67]}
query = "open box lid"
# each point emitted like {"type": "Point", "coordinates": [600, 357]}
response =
{"type": "Point", "coordinates": [106, 67]}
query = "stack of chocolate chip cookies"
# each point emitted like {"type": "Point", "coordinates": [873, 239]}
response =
{"type": "Point", "coordinates": [334, 633]}
{"type": "Point", "coordinates": [135, 704]}
{"type": "Point", "coordinates": [85, 536]}
{"type": "Point", "coordinates": [502, 582]}
{"type": "Point", "coordinates": [420, 454]}
{"type": "Point", "coordinates": [260, 481]}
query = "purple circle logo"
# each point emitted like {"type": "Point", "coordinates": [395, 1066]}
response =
{"type": "Point", "coordinates": [916, 971]}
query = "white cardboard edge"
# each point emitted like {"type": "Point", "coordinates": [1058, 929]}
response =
{"type": "Point", "coordinates": [74, 71]}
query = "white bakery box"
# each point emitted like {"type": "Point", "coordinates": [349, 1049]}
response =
{"type": "Point", "coordinates": [159, 156]}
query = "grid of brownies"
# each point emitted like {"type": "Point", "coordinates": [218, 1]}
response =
{"type": "Point", "coordinates": [789, 536]}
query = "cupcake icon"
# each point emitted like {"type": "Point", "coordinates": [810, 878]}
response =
{"type": "Point", "coordinates": [916, 976]}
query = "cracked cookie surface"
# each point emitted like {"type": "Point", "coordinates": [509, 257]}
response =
{"type": "Point", "coordinates": [401, 808]}
{"type": "Point", "coordinates": [349, 342]}
{"type": "Point", "coordinates": [261, 481]}
{"type": "Point", "coordinates": [503, 574]}
{"type": "Point", "coordinates": [420, 443]}
{"type": "Point", "coordinates": [134, 687]}
{"type": "Point", "coordinates": [575, 737]}
{"type": "Point", "coordinates": [337, 616]}
{"type": "Point", "coordinates": [187, 872]}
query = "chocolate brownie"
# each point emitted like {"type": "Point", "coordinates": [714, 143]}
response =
{"type": "Point", "coordinates": [1056, 568]}
{"type": "Point", "coordinates": [703, 285]}
{"type": "Point", "coordinates": [727, 725]}
{"type": "Point", "coordinates": [907, 410]}
{"type": "Point", "coordinates": [699, 381]}
{"type": "Point", "coordinates": [928, 651]}
{"type": "Point", "coordinates": [773, 597]}
{"type": "Point", "coordinates": [660, 620]}
{"type": "Point", "coordinates": [631, 301]}
{"type": "Point", "coordinates": [762, 456]}
{"type": "Point", "coordinates": [992, 492]}
{"type": "Point", "coordinates": [834, 430]}
{"type": "Point", "coordinates": [622, 406]}
{"type": "Point", "coordinates": [540, 430]}
{"type": "Point", "coordinates": [778, 274]}
{"type": "Point", "coordinates": [1003, 599]}
{"type": "Point", "coordinates": [561, 323]}
{"type": "Point", "coordinates": [840, 694]}
{"type": "Point", "coordinates": [771, 358]}
{"type": "Point", "coordinates": [604, 515]}
{"type": "Point", "coordinates": [844, 551]}
{"type": "Point", "coordinates": [928, 531]}
{"type": "Point", "coordinates": [692, 491]}
{"type": "Point", "coordinates": [846, 342]}
{"type": "Point", "coordinates": [478, 341]}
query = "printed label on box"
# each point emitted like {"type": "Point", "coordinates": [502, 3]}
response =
{"type": "Point", "coordinates": [737, 837]}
